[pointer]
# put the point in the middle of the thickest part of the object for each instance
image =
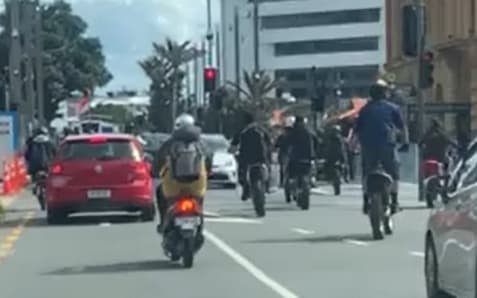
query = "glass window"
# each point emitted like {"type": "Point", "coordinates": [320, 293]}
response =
{"type": "Point", "coordinates": [110, 149]}
{"type": "Point", "coordinates": [321, 18]}
{"type": "Point", "coordinates": [327, 46]}
{"type": "Point", "coordinates": [216, 144]}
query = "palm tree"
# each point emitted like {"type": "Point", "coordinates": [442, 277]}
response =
{"type": "Point", "coordinates": [256, 94]}
{"type": "Point", "coordinates": [165, 69]}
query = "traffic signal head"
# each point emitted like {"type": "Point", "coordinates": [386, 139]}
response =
{"type": "Point", "coordinates": [427, 70]}
{"type": "Point", "coordinates": [210, 79]}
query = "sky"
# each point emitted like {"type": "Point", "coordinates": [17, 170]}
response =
{"type": "Point", "coordinates": [127, 29]}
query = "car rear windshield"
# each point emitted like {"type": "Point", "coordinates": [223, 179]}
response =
{"type": "Point", "coordinates": [107, 150]}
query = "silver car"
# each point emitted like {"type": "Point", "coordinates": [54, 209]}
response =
{"type": "Point", "coordinates": [224, 166]}
{"type": "Point", "coordinates": [451, 237]}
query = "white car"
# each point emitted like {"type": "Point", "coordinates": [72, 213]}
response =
{"type": "Point", "coordinates": [224, 165]}
{"type": "Point", "coordinates": [451, 237]}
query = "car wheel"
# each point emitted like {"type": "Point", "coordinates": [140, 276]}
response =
{"type": "Point", "coordinates": [148, 214]}
{"type": "Point", "coordinates": [54, 217]}
{"type": "Point", "coordinates": [431, 270]}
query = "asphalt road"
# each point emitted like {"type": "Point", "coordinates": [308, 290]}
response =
{"type": "Point", "coordinates": [324, 252]}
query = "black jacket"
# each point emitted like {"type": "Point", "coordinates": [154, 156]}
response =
{"type": "Point", "coordinates": [254, 143]}
{"type": "Point", "coordinates": [302, 144]}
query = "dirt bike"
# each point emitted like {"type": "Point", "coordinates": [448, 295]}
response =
{"type": "Point", "coordinates": [256, 181]}
{"type": "Point", "coordinates": [298, 188]}
{"type": "Point", "coordinates": [378, 184]}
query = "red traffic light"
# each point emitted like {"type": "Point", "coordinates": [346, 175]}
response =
{"type": "Point", "coordinates": [210, 73]}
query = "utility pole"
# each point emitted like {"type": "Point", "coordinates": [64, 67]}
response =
{"type": "Point", "coordinates": [421, 44]}
{"type": "Point", "coordinates": [39, 63]}
{"type": "Point", "coordinates": [188, 86]}
{"type": "Point", "coordinates": [210, 35]}
{"type": "Point", "coordinates": [15, 60]}
{"type": "Point", "coordinates": [256, 44]}
{"type": "Point", "coordinates": [28, 16]}
{"type": "Point", "coordinates": [196, 82]}
{"type": "Point", "coordinates": [203, 50]}
{"type": "Point", "coordinates": [217, 54]}
{"type": "Point", "coordinates": [237, 49]}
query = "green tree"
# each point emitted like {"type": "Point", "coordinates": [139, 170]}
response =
{"type": "Point", "coordinates": [165, 70]}
{"type": "Point", "coordinates": [72, 61]}
{"type": "Point", "coordinates": [255, 97]}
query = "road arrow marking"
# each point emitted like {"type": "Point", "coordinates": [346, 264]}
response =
{"type": "Point", "coordinates": [417, 254]}
{"type": "Point", "coordinates": [303, 231]}
{"type": "Point", "coordinates": [356, 242]}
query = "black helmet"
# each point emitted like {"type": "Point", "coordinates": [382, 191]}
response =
{"type": "Point", "coordinates": [378, 90]}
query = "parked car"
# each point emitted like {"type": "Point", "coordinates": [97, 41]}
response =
{"type": "Point", "coordinates": [451, 237]}
{"type": "Point", "coordinates": [224, 165]}
{"type": "Point", "coordinates": [99, 173]}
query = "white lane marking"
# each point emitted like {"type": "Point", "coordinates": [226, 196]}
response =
{"type": "Point", "coordinates": [356, 242]}
{"type": "Point", "coordinates": [417, 254]}
{"type": "Point", "coordinates": [251, 268]}
{"type": "Point", "coordinates": [303, 231]}
{"type": "Point", "coordinates": [234, 220]}
{"type": "Point", "coordinates": [105, 224]}
{"type": "Point", "coordinates": [211, 214]}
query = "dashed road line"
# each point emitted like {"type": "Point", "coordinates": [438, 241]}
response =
{"type": "Point", "coordinates": [8, 242]}
{"type": "Point", "coordinates": [303, 231]}
{"type": "Point", "coordinates": [251, 268]}
{"type": "Point", "coordinates": [356, 242]}
{"type": "Point", "coordinates": [419, 254]}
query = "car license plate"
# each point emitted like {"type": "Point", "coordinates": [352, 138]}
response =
{"type": "Point", "coordinates": [187, 223]}
{"type": "Point", "coordinates": [99, 194]}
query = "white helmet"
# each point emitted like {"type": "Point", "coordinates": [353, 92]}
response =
{"type": "Point", "coordinates": [289, 121]}
{"type": "Point", "coordinates": [184, 120]}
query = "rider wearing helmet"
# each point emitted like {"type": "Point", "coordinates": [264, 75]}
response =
{"type": "Point", "coordinates": [334, 149]}
{"type": "Point", "coordinates": [39, 151]}
{"type": "Point", "coordinates": [376, 127]}
{"type": "Point", "coordinates": [254, 146]}
{"type": "Point", "coordinates": [281, 146]}
{"type": "Point", "coordinates": [185, 132]}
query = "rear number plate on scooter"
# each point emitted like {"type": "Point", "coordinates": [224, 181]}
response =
{"type": "Point", "coordinates": [187, 222]}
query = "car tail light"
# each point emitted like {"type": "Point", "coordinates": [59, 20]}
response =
{"type": "Point", "coordinates": [56, 169]}
{"type": "Point", "coordinates": [187, 205]}
{"type": "Point", "coordinates": [140, 173]}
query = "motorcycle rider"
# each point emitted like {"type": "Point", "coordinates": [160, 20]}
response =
{"type": "Point", "coordinates": [254, 146]}
{"type": "Point", "coordinates": [40, 150]}
{"type": "Point", "coordinates": [376, 127]}
{"type": "Point", "coordinates": [335, 148]}
{"type": "Point", "coordinates": [302, 147]}
{"type": "Point", "coordinates": [435, 144]}
{"type": "Point", "coordinates": [185, 131]}
{"type": "Point", "coordinates": [281, 146]}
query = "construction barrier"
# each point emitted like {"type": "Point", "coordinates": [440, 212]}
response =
{"type": "Point", "coordinates": [14, 175]}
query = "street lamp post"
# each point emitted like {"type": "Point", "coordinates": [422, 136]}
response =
{"type": "Point", "coordinates": [256, 37]}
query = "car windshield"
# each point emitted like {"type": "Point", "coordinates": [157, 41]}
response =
{"type": "Point", "coordinates": [216, 144]}
{"type": "Point", "coordinates": [111, 149]}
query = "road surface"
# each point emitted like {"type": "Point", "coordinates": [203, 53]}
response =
{"type": "Point", "coordinates": [324, 252]}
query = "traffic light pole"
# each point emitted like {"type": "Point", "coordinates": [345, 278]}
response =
{"type": "Point", "coordinates": [420, 95]}
{"type": "Point", "coordinates": [256, 38]}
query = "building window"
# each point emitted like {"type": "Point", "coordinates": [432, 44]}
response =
{"type": "Point", "coordinates": [321, 18]}
{"type": "Point", "coordinates": [299, 92]}
{"type": "Point", "coordinates": [327, 46]}
{"type": "Point", "coordinates": [291, 75]}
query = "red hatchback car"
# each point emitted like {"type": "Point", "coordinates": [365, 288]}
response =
{"type": "Point", "coordinates": [99, 173]}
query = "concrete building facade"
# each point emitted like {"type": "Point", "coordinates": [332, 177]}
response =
{"type": "Point", "coordinates": [343, 39]}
